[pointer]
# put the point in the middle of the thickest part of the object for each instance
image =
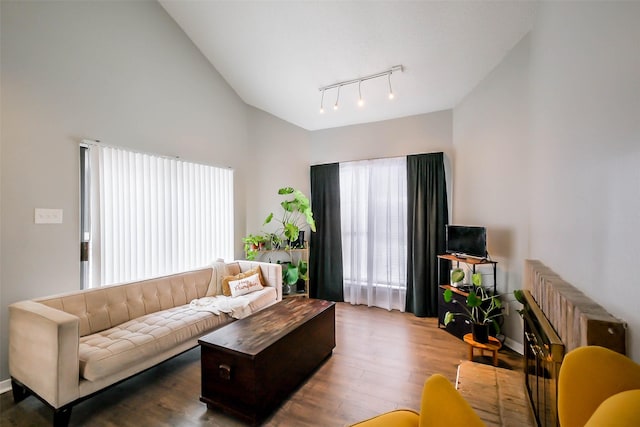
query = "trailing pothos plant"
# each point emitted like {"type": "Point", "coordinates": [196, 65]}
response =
{"type": "Point", "coordinates": [252, 244]}
{"type": "Point", "coordinates": [480, 308]}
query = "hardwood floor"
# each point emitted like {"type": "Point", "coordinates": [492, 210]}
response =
{"type": "Point", "coordinates": [380, 363]}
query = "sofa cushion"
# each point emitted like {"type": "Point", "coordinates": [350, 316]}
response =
{"type": "Point", "coordinates": [108, 306]}
{"type": "Point", "coordinates": [226, 290]}
{"type": "Point", "coordinates": [232, 268]}
{"type": "Point", "coordinates": [109, 351]}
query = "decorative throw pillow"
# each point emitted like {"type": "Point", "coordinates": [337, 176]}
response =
{"type": "Point", "coordinates": [245, 286]}
{"type": "Point", "coordinates": [232, 269]}
{"type": "Point", "coordinates": [225, 280]}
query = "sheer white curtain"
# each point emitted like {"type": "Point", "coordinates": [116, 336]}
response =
{"type": "Point", "coordinates": [373, 209]}
{"type": "Point", "coordinates": [157, 215]}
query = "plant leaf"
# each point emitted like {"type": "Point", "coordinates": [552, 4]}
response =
{"type": "Point", "coordinates": [519, 295]}
{"type": "Point", "coordinates": [447, 295]}
{"type": "Point", "coordinates": [448, 318]}
{"type": "Point", "coordinates": [496, 326]}
{"type": "Point", "coordinates": [291, 276]}
{"type": "Point", "coordinates": [288, 205]}
{"type": "Point", "coordinates": [473, 300]}
{"type": "Point", "coordinates": [477, 279]}
{"type": "Point", "coordinates": [291, 231]}
{"type": "Point", "coordinates": [303, 267]}
{"type": "Point", "coordinates": [285, 190]}
{"type": "Point", "coordinates": [268, 219]}
{"type": "Point", "coordinates": [457, 275]}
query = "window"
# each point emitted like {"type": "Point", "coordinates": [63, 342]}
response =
{"type": "Point", "coordinates": [373, 210]}
{"type": "Point", "coordinates": [151, 215]}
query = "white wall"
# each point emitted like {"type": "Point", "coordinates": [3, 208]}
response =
{"type": "Point", "coordinates": [281, 151]}
{"type": "Point", "coordinates": [585, 158]}
{"type": "Point", "coordinates": [490, 134]}
{"type": "Point", "coordinates": [554, 133]}
{"type": "Point", "coordinates": [424, 133]}
{"type": "Point", "coordinates": [122, 72]}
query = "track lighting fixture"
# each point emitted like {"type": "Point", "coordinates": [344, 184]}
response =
{"type": "Point", "coordinates": [359, 81]}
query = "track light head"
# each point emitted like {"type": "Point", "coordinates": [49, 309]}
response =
{"type": "Point", "coordinates": [322, 102]}
{"type": "Point", "coordinates": [360, 100]}
{"type": "Point", "coordinates": [391, 95]}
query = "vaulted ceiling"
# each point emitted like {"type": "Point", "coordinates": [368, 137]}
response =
{"type": "Point", "coordinates": [277, 54]}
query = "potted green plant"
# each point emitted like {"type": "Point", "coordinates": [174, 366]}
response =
{"type": "Point", "coordinates": [274, 240]}
{"type": "Point", "coordinates": [296, 212]}
{"type": "Point", "coordinates": [252, 244]}
{"type": "Point", "coordinates": [291, 273]}
{"type": "Point", "coordinates": [481, 309]}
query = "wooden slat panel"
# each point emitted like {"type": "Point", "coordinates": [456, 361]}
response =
{"type": "Point", "coordinates": [576, 318]}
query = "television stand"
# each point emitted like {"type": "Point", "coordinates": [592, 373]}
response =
{"type": "Point", "coordinates": [461, 327]}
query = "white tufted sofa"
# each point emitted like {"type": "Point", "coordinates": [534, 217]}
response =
{"type": "Point", "coordinates": [65, 348]}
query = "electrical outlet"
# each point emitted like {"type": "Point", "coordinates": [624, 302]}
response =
{"type": "Point", "coordinates": [48, 216]}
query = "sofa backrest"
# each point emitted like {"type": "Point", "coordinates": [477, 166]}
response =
{"type": "Point", "coordinates": [108, 306]}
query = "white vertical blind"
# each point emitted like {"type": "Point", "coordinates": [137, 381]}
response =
{"type": "Point", "coordinates": [373, 210]}
{"type": "Point", "coordinates": [160, 215]}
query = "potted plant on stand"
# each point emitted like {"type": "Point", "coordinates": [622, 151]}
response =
{"type": "Point", "coordinates": [252, 244]}
{"type": "Point", "coordinates": [291, 274]}
{"type": "Point", "coordinates": [289, 235]}
{"type": "Point", "coordinates": [481, 310]}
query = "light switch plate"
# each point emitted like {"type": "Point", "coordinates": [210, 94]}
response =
{"type": "Point", "coordinates": [48, 216]}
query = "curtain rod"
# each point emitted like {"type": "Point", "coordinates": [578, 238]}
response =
{"type": "Point", "coordinates": [379, 158]}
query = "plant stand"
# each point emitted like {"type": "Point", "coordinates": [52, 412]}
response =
{"type": "Point", "coordinates": [492, 346]}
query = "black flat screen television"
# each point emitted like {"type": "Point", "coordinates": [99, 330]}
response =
{"type": "Point", "coordinates": [466, 240]}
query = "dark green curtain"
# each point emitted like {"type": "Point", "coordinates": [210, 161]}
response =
{"type": "Point", "coordinates": [428, 216]}
{"type": "Point", "coordinates": [325, 245]}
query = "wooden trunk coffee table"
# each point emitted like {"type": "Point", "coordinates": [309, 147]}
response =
{"type": "Point", "coordinates": [251, 365]}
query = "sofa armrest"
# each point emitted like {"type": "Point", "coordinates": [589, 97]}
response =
{"type": "Point", "coordinates": [271, 273]}
{"type": "Point", "coordinates": [43, 351]}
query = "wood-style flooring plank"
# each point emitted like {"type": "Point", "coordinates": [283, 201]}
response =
{"type": "Point", "coordinates": [380, 363]}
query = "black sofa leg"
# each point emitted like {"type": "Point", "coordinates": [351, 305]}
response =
{"type": "Point", "coordinates": [19, 391]}
{"type": "Point", "coordinates": [61, 416]}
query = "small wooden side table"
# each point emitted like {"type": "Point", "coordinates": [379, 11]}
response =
{"type": "Point", "coordinates": [493, 346]}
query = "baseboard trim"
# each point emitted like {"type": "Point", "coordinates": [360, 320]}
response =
{"type": "Point", "coordinates": [514, 345]}
{"type": "Point", "coordinates": [5, 386]}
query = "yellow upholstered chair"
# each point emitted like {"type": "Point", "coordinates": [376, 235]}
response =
{"type": "Point", "coordinates": [598, 387]}
{"type": "Point", "coordinates": [441, 405]}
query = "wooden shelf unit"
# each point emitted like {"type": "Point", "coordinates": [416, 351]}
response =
{"type": "Point", "coordinates": [461, 327]}
{"type": "Point", "coordinates": [473, 262]}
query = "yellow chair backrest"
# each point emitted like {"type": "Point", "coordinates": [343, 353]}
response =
{"type": "Point", "coordinates": [442, 405]}
{"type": "Point", "coordinates": [589, 376]}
